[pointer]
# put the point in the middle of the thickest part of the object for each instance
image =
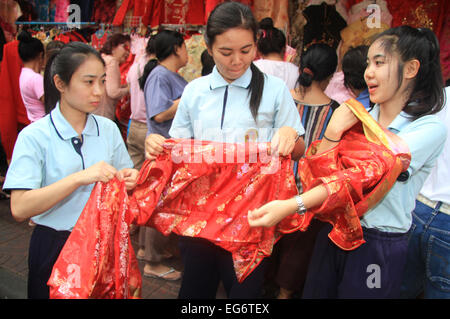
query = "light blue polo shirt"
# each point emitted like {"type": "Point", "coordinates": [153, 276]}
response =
{"type": "Point", "coordinates": [49, 150]}
{"type": "Point", "coordinates": [425, 138]}
{"type": "Point", "coordinates": [213, 109]}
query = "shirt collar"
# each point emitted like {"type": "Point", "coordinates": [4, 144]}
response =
{"type": "Point", "coordinates": [218, 81]}
{"type": "Point", "coordinates": [397, 124]}
{"type": "Point", "coordinates": [65, 131]}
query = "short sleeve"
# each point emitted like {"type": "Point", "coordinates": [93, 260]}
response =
{"type": "Point", "coordinates": [121, 157]}
{"type": "Point", "coordinates": [27, 163]}
{"type": "Point", "coordinates": [38, 86]}
{"type": "Point", "coordinates": [425, 138]}
{"type": "Point", "coordinates": [182, 124]}
{"type": "Point", "coordinates": [157, 95]}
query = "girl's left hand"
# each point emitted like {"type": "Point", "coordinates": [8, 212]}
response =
{"type": "Point", "coordinates": [283, 141]}
{"type": "Point", "coordinates": [129, 175]}
{"type": "Point", "coordinates": [271, 213]}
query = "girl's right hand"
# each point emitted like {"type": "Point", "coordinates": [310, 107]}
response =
{"type": "Point", "coordinates": [154, 146]}
{"type": "Point", "coordinates": [99, 172]}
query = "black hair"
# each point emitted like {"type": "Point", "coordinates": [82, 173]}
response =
{"type": "Point", "coordinates": [271, 39]}
{"type": "Point", "coordinates": [150, 48]}
{"type": "Point", "coordinates": [29, 48]}
{"type": "Point", "coordinates": [320, 61]}
{"type": "Point", "coordinates": [408, 43]}
{"type": "Point", "coordinates": [64, 63]}
{"type": "Point", "coordinates": [51, 48]}
{"type": "Point", "coordinates": [228, 15]}
{"type": "Point", "coordinates": [354, 64]}
{"type": "Point", "coordinates": [114, 41]}
{"type": "Point", "coordinates": [165, 44]}
{"type": "Point", "coordinates": [207, 62]}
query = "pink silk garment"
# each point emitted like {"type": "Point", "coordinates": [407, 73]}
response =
{"type": "Point", "coordinates": [357, 173]}
{"type": "Point", "coordinates": [188, 190]}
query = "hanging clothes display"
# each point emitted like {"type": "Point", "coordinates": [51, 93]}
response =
{"type": "Point", "coordinates": [324, 25]}
{"type": "Point", "coordinates": [195, 46]}
{"type": "Point", "coordinates": [104, 11]}
{"type": "Point", "coordinates": [275, 9]}
{"type": "Point", "coordinates": [434, 14]}
{"type": "Point", "coordinates": [340, 5]}
{"type": "Point", "coordinates": [151, 11]}
{"type": "Point", "coordinates": [184, 191]}
{"type": "Point", "coordinates": [61, 14]}
{"type": "Point", "coordinates": [13, 115]}
{"type": "Point", "coordinates": [184, 12]}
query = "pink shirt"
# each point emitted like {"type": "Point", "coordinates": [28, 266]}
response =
{"type": "Point", "coordinates": [32, 89]}
{"type": "Point", "coordinates": [137, 99]}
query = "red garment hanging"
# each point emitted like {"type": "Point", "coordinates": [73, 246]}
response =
{"type": "Point", "coordinates": [123, 107]}
{"type": "Point", "coordinates": [13, 114]}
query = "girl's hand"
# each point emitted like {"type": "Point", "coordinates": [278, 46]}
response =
{"type": "Point", "coordinates": [271, 213]}
{"type": "Point", "coordinates": [283, 141]}
{"type": "Point", "coordinates": [99, 172]}
{"type": "Point", "coordinates": [154, 146]}
{"type": "Point", "coordinates": [341, 120]}
{"type": "Point", "coordinates": [129, 175]}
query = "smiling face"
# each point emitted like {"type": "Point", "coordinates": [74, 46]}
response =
{"type": "Point", "coordinates": [233, 51]}
{"type": "Point", "coordinates": [381, 74]}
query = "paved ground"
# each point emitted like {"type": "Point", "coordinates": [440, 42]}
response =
{"type": "Point", "coordinates": [14, 241]}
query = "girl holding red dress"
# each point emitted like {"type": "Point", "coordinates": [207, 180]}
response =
{"type": "Point", "coordinates": [405, 83]}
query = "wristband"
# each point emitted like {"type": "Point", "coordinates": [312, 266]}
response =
{"type": "Point", "coordinates": [329, 139]}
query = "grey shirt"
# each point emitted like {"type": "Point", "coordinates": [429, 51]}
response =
{"type": "Point", "coordinates": [161, 88]}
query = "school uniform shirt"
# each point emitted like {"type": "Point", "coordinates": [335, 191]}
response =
{"type": "Point", "coordinates": [213, 109]}
{"type": "Point", "coordinates": [162, 87]}
{"type": "Point", "coordinates": [49, 150]}
{"type": "Point", "coordinates": [437, 186]}
{"type": "Point", "coordinates": [425, 138]}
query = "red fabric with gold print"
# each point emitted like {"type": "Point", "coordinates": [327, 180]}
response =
{"type": "Point", "coordinates": [205, 189]}
{"type": "Point", "coordinates": [184, 191]}
{"type": "Point", "coordinates": [358, 172]}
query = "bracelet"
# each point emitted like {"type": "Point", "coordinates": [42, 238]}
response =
{"type": "Point", "coordinates": [301, 209]}
{"type": "Point", "coordinates": [329, 139]}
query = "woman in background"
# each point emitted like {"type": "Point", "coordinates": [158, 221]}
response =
{"type": "Point", "coordinates": [114, 52]}
{"type": "Point", "coordinates": [271, 47]}
{"type": "Point", "coordinates": [31, 82]}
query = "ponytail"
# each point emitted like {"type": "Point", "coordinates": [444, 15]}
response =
{"type": "Point", "coordinates": [147, 70]}
{"type": "Point", "coordinates": [51, 94]}
{"type": "Point", "coordinates": [256, 89]}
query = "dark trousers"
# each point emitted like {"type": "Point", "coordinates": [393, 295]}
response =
{"type": "Point", "coordinates": [206, 264]}
{"type": "Point", "coordinates": [45, 246]}
{"type": "Point", "coordinates": [373, 270]}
